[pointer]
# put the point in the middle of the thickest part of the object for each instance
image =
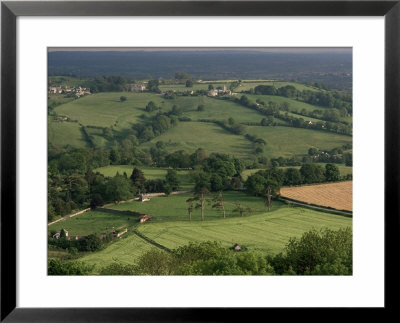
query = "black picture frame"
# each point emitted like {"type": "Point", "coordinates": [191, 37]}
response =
{"type": "Point", "coordinates": [10, 10]}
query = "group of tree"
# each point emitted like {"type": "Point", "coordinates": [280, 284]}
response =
{"type": "Point", "coordinates": [107, 84]}
{"type": "Point", "coordinates": [329, 119]}
{"type": "Point", "coordinates": [89, 243]}
{"type": "Point", "coordinates": [323, 252]}
{"type": "Point", "coordinates": [329, 99]}
{"type": "Point", "coordinates": [335, 155]}
{"type": "Point", "coordinates": [218, 172]}
{"type": "Point", "coordinates": [73, 185]}
{"type": "Point", "coordinates": [274, 178]}
{"type": "Point", "coordinates": [156, 125]}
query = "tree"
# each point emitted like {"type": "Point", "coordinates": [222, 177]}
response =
{"type": "Point", "coordinates": [118, 269]}
{"type": "Point", "coordinates": [312, 173]}
{"type": "Point", "coordinates": [332, 173]}
{"type": "Point", "coordinates": [201, 108]}
{"type": "Point", "coordinates": [152, 86]}
{"type": "Point", "coordinates": [189, 83]}
{"type": "Point", "coordinates": [58, 267]}
{"type": "Point", "coordinates": [190, 208]}
{"type": "Point", "coordinates": [176, 110]}
{"type": "Point", "coordinates": [324, 252]}
{"type": "Point", "coordinates": [219, 203]}
{"type": "Point", "coordinates": [172, 179]}
{"type": "Point", "coordinates": [268, 196]}
{"type": "Point", "coordinates": [151, 106]}
{"type": "Point", "coordinates": [292, 177]}
{"type": "Point", "coordinates": [243, 210]}
{"type": "Point", "coordinates": [200, 199]}
{"type": "Point", "coordinates": [96, 201]}
{"type": "Point", "coordinates": [118, 189]}
{"type": "Point", "coordinates": [313, 151]}
{"type": "Point", "coordinates": [256, 184]}
{"type": "Point", "coordinates": [348, 159]}
{"type": "Point", "coordinates": [138, 179]}
{"type": "Point", "coordinates": [122, 98]}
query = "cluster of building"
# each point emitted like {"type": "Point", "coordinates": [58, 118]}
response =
{"type": "Point", "coordinates": [137, 87]}
{"type": "Point", "coordinates": [216, 92]}
{"type": "Point", "coordinates": [75, 91]}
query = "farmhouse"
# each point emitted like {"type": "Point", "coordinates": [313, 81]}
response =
{"type": "Point", "coordinates": [136, 87]}
{"type": "Point", "coordinates": [55, 89]}
{"type": "Point", "coordinates": [144, 217]}
{"type": "Point", "coordinates": [60, 234]}
{"type": "Point", "coordinates": [220, 92]}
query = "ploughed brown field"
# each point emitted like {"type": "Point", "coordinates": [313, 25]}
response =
{"type": "Point", "coordinates": [335, 195]}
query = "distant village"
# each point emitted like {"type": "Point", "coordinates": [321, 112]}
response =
{"type": "Point", "coordinates": [136, 87]}
{"type": "Point", "coordinates": [70, 91]}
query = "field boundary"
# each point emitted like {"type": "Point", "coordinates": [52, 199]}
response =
{"type": "Point", "coordinates": [148, 240]}
{"type": "Point", "coordinates": [310, 206]}
{"type": "Point", "coordinates": [69, 216]}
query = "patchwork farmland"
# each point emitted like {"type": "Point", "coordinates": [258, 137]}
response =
{"type": "Point", "coordinates": [185, 175]}
{"type": "Point", "coordinates": [334, 195]}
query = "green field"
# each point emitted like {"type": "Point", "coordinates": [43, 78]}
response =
{"type": "Point", "coordinates": [150, 173]}
{"type": "Point", "coordinates": [189, 136]}
{"type": "Point", "coordinates": [265, 232]}
{"type": "Point", "coordinates": [105, 109]}
{"type": "Point", "coordinates": [66, 134]}
{"type": "Point", "coordinates": [268, 232]}
{"type": "Point", "coordinates": [174, 207]}
{"type": "Point", "coordinates": [58, 99]}
{"type": "Point", "coordinates": [287, 141]}
{"type": "Point", "coordinates": [247, 85]}
{"type": "Point", "coordinates": [294, 105]}
{"type": "Point", "coordinates": [126, 250]}
{"type": "Point", "coordinates": [95, 222]}
{"type": "Point", "coordinates": [216, 109]}
{"type": "Point", "coordinates": [260, 230]}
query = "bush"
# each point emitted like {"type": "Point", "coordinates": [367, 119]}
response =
{"type": "Point", "coordinates": [324, 252]}
{"type": "Point", "coordinates": [58, 267]}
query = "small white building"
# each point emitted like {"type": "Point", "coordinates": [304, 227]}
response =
{"type": "Point", "coordinates": [136, 87]}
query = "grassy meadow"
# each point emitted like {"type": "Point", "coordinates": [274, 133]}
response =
{"type": "Point", "coordinates": [170, 225]}
{"type": "Point", "coordinates": [267, 232]}
{"type": "Point", "coordinates": [246, 85]}
{"type": "Point", "coordinates": [190, 136]}
{"type": "Point", "coordinates": [263, 231]}
{"type": "Point", "coordinates": [287, 141]}
{"type": "Point", "coordinates": [175, 207]}
{"type": "Point", "coordinates": [94, 222]}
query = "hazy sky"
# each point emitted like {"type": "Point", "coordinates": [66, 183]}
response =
{"type": "Point", "coordinates": [157, 49]}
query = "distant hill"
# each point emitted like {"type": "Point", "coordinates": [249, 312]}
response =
{"type": "Point", "coordinates": [333, 69]}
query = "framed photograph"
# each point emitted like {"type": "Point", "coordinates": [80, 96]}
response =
{"type": "Point", "coordinates": [190, 160]}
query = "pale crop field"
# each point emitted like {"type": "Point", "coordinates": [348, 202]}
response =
{"type": "Point", "coordinates": [335, 195]}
